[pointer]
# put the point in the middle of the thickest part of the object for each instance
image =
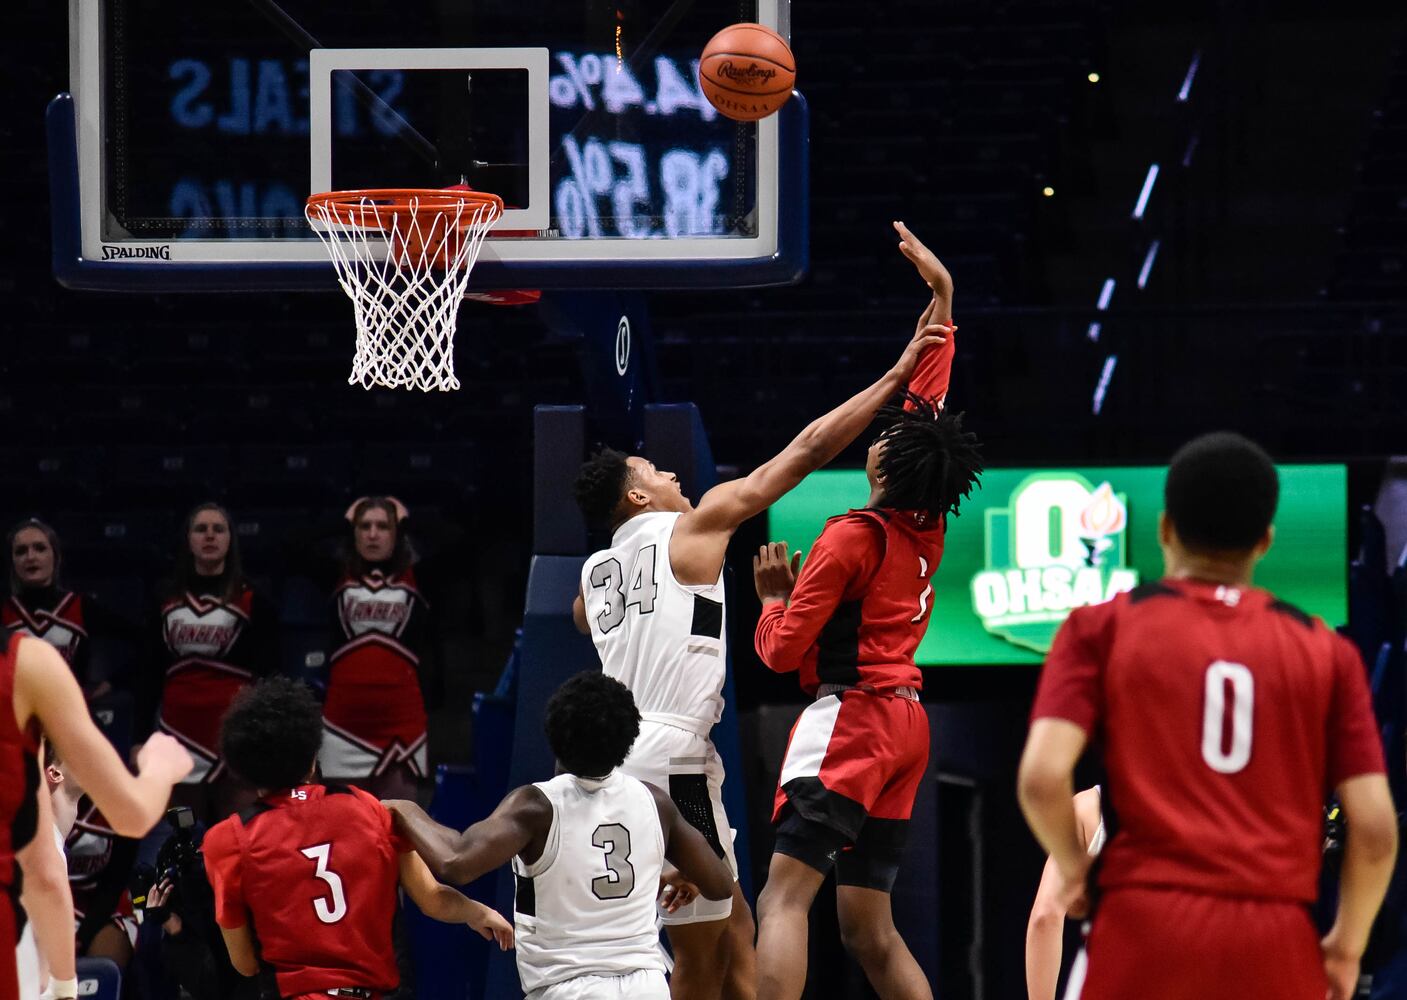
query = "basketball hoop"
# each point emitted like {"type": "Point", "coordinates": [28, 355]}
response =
{"type": "Point", "coordinates": [403, 256]}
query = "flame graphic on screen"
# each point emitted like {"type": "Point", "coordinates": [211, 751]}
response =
{"type": "Point", "coordinates": [1104, 514]}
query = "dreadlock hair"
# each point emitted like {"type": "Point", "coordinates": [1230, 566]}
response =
{"type": "Point", "coordinates": [600, 485]}
{"type": "Point", "coordinates": [929, 463]}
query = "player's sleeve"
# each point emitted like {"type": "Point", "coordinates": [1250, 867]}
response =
{"type": "Point", "coordinates": [932, 373]}
{"type": "Point", "coordinates": [1354, 747]}
{"type": "Point", "coordinates": [1071, 682]}
{"type": "Point", "coordinates": [848, 549]}
{"type": "Point", "coordinates": [223, 867]}
{"type": "Point", "coordinates": [399, 845]}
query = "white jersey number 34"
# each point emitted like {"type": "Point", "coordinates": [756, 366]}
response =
{"type": "Point", "coordinates": [608, 576]}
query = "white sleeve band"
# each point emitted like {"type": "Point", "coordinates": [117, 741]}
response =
{"type": "Point", "coordinates": [62, 989]}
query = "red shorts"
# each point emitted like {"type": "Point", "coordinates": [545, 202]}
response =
{"type": "Point", "coordinates": [9, 938]}
{"type": "Point", "coordinates": [1171, 944]}
{"type": "Point", "coordinates": [852, 757]}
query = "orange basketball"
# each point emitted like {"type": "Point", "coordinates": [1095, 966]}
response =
{"type": "Point", "coordinates": [747, 71]}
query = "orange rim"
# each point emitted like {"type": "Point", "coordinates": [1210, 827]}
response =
{"type": "Point", "coordinates": [355, 208]}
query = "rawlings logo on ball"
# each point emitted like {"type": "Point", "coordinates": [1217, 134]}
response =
{"type": "Point", "coordinates": [752, 74]}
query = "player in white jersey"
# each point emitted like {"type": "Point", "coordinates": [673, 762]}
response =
{"type": "Point", "coordinates": [588, 850]}
{"type": "Point", "coordinates": [653, 604]}
{"type": "Point", "coordinates": [1046, 930]}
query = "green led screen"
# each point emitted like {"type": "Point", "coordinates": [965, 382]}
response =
{"type": "Point", "coordinates": [1032, 543]}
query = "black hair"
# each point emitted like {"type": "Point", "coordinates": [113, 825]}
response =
{"type": "Point", "coordinates": [591, 723]}
{"type": "Point", "coordinates": [402, 554]}
{"type": "Point", "coordinates": [185, 578]}
{"type": "Point", "coordinates": [1221, 493]}
{"type": "Point", "coordinates": [271, 734]}
{"type": "Point", "coordinates": [16, 586]}
{"type": "Point", "coordinates": [929, 462]}
{"type": "Point", "coordinates": [600, 485]}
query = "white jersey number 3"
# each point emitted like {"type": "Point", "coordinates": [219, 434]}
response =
{"type": "Point", "coordinates": [328, 912]}
{"type": "Point", "coordinates": [1222, 675]}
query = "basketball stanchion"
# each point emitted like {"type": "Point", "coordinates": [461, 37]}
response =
{"type": "Point", "coordinates": [404, 256]}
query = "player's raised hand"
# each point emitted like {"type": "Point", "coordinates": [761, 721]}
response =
{"type": "Point", "coordinates": [492, 927]}
{"type": "Point", "coordinates": [772, 574]}
{"type": "Point", "coordinates": [929, 267]}
{"type": "Point", "coordinates": [927, 333]}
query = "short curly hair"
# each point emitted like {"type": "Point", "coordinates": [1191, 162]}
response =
{"type": "Point", "coordinates": [600, 485]}
{"type": "Point", "coordinates": [1221, 493]}
{"type": "Point", "coordinates": [271, 733]}
{"type": "Point", "coordinates": [591, 723]}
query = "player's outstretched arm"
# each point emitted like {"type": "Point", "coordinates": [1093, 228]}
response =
{"type": "Point", "coordinates": [1045, 931]}
{"type": "Point", "coordinates": [47, 897]}
{"type": "Point", "coordinates": [729, 504]}
{"type": "Point", "coordinates": [520, 820]}
{"type": "Point", "coordinates": [687, 850]}
{"type": "Point", "coordinates": [45, 689]}
{"type": "Point", "coordinates": [1369, 853]}
{"type": "Point", "coordinates": [1045, 788]}
{"type": "Point", "coordinates": [448, 905]}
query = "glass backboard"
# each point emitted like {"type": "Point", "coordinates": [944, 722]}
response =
{"type": "Point", "coordinates": [195, 133]}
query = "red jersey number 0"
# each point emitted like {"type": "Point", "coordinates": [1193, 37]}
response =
{"type": "Point", "coordinates": [333, 910]}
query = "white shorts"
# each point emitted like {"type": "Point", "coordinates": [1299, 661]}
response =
{"type": "Point", "coordinates": [687, 766]}
{"type": "Point", "coordinates": [27, 962]}
{"type": "Point", "coordinates": [647, 984]}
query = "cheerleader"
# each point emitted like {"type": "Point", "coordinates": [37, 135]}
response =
{"type": "Point", "coordinates": [214, 634]}
{"type": "Point", "coordinates": [374, 714]}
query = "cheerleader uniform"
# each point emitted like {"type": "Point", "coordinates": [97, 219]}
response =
{"type": "Point", "coordinates": [374, 715]}
{"type": "Point", "coordinates": [210, 646]}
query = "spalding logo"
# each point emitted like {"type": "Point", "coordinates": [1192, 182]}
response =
{"type": "Point", "coordinates": [162, 252]}
{"type": "Point", "coordinates": [752, 74]}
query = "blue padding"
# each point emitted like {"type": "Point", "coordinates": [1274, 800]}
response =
{"type": "Point", "coordinates": [559, 446]}
{"type": "Point", "coordinates": [451, 960]}
{"type": "Point", "coordinates": [551, 651]}
{"type": "Point", "coordinates": [99, 979]}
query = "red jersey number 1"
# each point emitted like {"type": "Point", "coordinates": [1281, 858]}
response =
{"type": "Point", "coordinates": [1235, 678]}
{"type": "Point", "coordinates": [331, 910]}
{"type": "Point", "coordinates": [927, 592]}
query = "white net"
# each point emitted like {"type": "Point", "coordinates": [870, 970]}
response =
{"type": "Point", "coordinates": [405, 264]}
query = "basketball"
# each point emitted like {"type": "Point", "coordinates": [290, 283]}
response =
{"type": "Point", "coordinates": [747, 71]}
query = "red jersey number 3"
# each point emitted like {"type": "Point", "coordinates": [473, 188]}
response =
{"type": "Point", "coordinates": [334, 907]}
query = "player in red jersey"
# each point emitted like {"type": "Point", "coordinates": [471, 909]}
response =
{"type": "Point", "coordinates": [850, 624]}
{"type": "Point", "coordinates": [313, 869]}
{"type": "Point", "coordinates": [43, 695]}
{"type": "Point", "coordinates": [1225, 717]}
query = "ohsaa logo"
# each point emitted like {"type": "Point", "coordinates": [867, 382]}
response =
{"type": "Point", "coordinates": [1061, 544]}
